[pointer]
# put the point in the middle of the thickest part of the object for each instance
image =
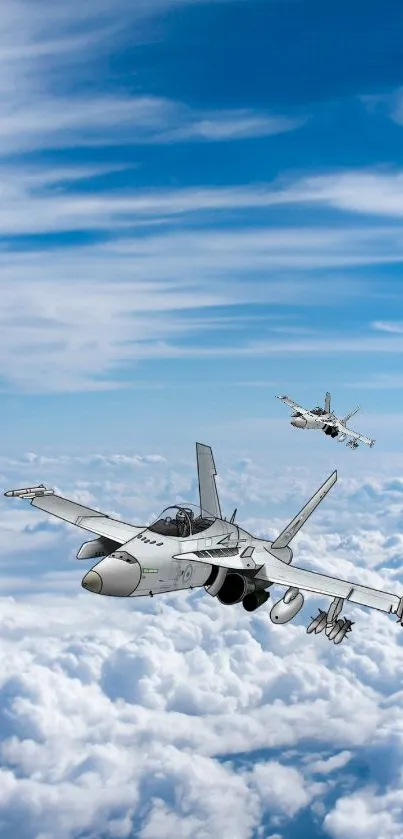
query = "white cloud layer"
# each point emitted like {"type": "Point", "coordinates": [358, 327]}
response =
{"type": "Point", "coordinates": [181, 717]}
{"type": "Point", "coordinates": [113, 717]}
{"type": "Point", "coordinates": [367, 815]}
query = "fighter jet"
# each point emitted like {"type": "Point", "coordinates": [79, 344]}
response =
{"type": "Point", "coordinates": [324, 419]}
{"type": "Point", "coordinates": [189, 547]}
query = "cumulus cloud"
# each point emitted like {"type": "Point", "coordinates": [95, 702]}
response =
{"type": "Point", "coordinates": [367, 815]}
{"type": "Point", "coordinates": [113, 717]}
{"type": "Point", "coordinates": [178, 716]}
{"type": "Point", "coordinates": [38, 460]}
{"type": "Point", "coordinates": [324, 767]}
{"type": "Point", "coordinates": [358, 524]}
{"type": "Point", "coordinates": [282, 788]}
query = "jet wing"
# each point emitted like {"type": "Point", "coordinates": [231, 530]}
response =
{"type": "Point", "coordinates": [77, 514]}
{"type": "Point", "coordinates": [354, 435]}
{"type": "Point", "coordinates": [289, 575]}
{"type": "Point", "coordinates": [298, 409]}
{"type": "Point", "coordinates": [292, 404]}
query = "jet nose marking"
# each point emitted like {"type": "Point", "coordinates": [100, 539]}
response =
{"type": "Point", "coordinates": [92, 582]}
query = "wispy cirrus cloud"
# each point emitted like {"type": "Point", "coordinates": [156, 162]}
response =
{"type": "Point", "coordinates": [397, 106]}
{"type": "Point", "coordinates": [42, 199]}
{"type": "Point", "coordinates": [169, 293]}
{"type": "Point", "coordinates": [50, 98]}
{"type": "Point", "coordinates": [167, 287]}
{"type": "Point", "coordinates": [63, 122]}
{"type": "Point", "coordinates": [378, 381]}
{"type": "Point", "coordinates": [219, 126]}
{"type": "Point", "coordinates": [394, 327]}
{"type": "Point", "coordinates": [374, 193]}
{"type": "Point", "coordinates": [389, 104]}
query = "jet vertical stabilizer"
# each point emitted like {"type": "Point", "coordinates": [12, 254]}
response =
{"type": "Point", "coordinates": [207, 486]}
{"type": "Point", "coordinates": [327, 402]}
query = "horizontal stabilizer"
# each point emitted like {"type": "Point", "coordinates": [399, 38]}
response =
{"type": "Point", "coordinates": [295, 525]}
{"type": "Point", "coordinates": [351, 414]}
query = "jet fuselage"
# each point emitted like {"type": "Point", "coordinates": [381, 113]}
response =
{"type": "Point", "coordinates": [300, 421]}
{"type": "Point", "coordinates": [147, 564]}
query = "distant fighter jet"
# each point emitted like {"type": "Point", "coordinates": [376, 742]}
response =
{"type": "Point", "coordinates": [324, 419]}
{"type": "Point", "coordinates": [189, 547]}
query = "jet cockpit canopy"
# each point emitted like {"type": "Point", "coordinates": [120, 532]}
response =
{"type": "Point", "coordinates": [182, 521]}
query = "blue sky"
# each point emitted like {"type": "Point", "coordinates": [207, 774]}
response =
{"type": "Point", "coordinates": [201, 203]}
{"type": "Point", "coordinates": [201, 207]}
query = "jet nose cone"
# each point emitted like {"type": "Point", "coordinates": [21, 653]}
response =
{"type": "Point", "coordinates": [118, 575]}
{"type": "Point", "coordinates": [92, 582]}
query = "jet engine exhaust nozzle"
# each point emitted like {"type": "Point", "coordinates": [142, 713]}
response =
{"type": "Point", "coordinates": [255, 599]}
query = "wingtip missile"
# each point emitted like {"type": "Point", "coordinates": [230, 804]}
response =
{"type": "Point", "coordinates": [28, 492]}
